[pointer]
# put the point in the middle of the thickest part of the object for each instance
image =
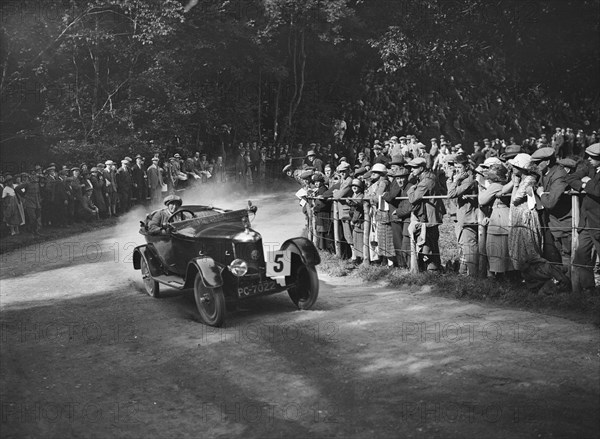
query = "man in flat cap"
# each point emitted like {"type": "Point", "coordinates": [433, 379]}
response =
{"type": "Point", "coordinates": [588, 180]}
{"type": "Point", "coordinates": [400, 211]}
{"type": "Point", "coordinates": [154, 181]}
{"type": "Point", "coordinates": [427, 215]}
{"type": "Point", "coordinates": [556, 215]}
{"type": "Point", "coordinates": [110, 177]}
{"type": "Point", "coordinates": [461, 185]}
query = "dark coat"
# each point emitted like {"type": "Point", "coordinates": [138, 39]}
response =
{"type": "Point", "coordinates": [557, 205]}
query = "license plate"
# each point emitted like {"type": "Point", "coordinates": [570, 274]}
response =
{"type": "Point", "coordinates": [260, 288]}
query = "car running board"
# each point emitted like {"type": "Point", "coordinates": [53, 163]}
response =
{"type": "Point", "coordinates": [171, 281]}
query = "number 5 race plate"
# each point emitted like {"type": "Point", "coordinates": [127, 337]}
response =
{"type": "Point", "coordinates": [278, 263]}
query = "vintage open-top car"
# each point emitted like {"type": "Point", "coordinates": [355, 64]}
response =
{"type": "Point", "coordinates": [216, 252]}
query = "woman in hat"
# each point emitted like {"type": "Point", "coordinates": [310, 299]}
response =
{"type": "Point", "coordinates": [11, 211]}
{"type": "Point", "coordinates": [497, 210]}
{"type": "Point", "coordinates": [524, 235]}
{"type": "Point", "coordinates": [383, 227]}
{"type": "Point", "coordinates": [357, 218]}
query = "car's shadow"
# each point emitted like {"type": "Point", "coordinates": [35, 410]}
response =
{"type": "Point", "coordinates": [277, 305]}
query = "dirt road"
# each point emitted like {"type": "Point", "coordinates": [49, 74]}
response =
{"type": "Point", "coordinates": [86, 353]}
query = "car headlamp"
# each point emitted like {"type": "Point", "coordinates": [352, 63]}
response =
{"type": "Point", "coordinates": [238, 267]}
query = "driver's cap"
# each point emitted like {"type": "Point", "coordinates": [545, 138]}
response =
{"type": "Point", "coordinates": [173, 199]}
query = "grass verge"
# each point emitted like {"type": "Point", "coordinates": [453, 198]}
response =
{"type": "Point", "coordinates": [487, 290]}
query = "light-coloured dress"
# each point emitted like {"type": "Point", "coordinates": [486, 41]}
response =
{"type": "Point", "coordinates": [524, 235]}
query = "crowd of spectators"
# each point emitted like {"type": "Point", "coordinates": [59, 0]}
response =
{"type": "Point", "coordinates": [481, 102]}
{"type": "Point", "coordinates": [518, 192]}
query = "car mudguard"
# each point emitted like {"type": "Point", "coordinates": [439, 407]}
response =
{"type": "Point", "coordinates": [210, 271]}
{"type": "Point", "coordinates": [304, 248]}
{"type": "Point", "coordinates": [151, 255]}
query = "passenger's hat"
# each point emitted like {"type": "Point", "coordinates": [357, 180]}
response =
{"type": "Point", "coordinates": [379, 168]}
{"type": "Point", "coordinates": [311, 153]}
{"type": "Point", "coordinates": [416, 162]}
{"type": "Point", "coordinates": [521, 161]}
{"type": "Point", "coordinates": [307, 174]}
{"type": "Point", "coordinates": [510, 152]}
{"type": "Point", "coordinates": [344, 166]}
{"type": "Point", "coordinates": [173, 199]}
{"type": "Point", "coordinates": [593, 150]}
{"type": "Point", "coordinates": [568, 163]}
{"type": "Point", "coordinates": [542, 154]}
{"type": "Point", "coordinates": [358, 183]}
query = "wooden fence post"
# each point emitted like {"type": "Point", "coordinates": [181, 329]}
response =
{"type": "Point", "coordinates": [414, 259]}
{"type": "Point", "coordinates": [575, 281]}
{"type": "Point", "coordinates": [481, 243]}
{"type": "Point", "coordinates": [366, 233]}
{"type": "Point", "coordinates": [336, 229]}
{"type": "Point", "coordinates": [315, 238]}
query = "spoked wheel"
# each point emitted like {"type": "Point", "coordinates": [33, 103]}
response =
{"type": "Point", "coordinates": [305, 293]}
{"type": "Point", "coordinates": [150, 285]}
{"type": "Point", "coordinates": [210, 303]}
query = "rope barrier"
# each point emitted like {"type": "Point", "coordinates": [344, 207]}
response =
{"type": "Point", "coordinates": [333, 221]}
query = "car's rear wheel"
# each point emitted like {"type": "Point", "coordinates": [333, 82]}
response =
{"type": "Point", "coordinates": [210, 303]}
{"type": "Point", "coordinates": [150, 285]}
{"type": "Point", "coordinates": [306, 290]}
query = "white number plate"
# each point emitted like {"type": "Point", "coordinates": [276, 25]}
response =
{"type": "Point", "coordinates": [278, 263]}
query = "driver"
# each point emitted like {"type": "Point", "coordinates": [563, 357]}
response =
{"type": "Point", "coordinates": [158, 224]}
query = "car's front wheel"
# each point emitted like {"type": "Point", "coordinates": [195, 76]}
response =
{"type": "Point", "coordinates": [150, 285]}
{"type": "Point", "coordinates": [306, 290]}
{"type": "Point", "coordinates": [210, 303]}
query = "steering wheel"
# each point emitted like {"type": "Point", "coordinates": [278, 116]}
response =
{"type": "Point", "coordinates": [181, 215]}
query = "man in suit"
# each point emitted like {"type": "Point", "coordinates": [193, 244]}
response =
{"type": "Point", "coordinates": [138, 180]}
{"type": "Point", "coordinates": [157, 225]}
{"type": "Point", "coordinates": [124, 186]}
{"type": "Point", "coordinates": [556, 215]}
{"type": "Point", "coordinates": [154, 181]}
{"type": "Point", "coordinates": [589, 221]}
{"type": "Point", "coordinates": [427, 214]}
{"type": "Point", "coordinates": [399, 214]}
